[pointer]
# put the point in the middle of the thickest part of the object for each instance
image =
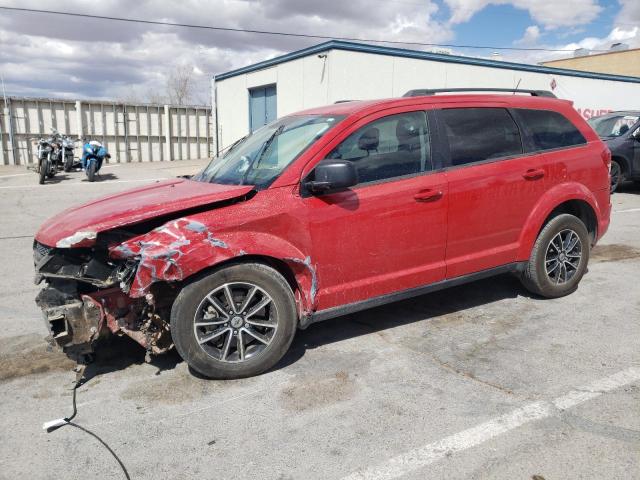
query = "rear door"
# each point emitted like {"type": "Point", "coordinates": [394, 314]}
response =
{"type": "Point", "coordinates": [386, 234]}
{"type": "Point", "coordinates": [493, 186]}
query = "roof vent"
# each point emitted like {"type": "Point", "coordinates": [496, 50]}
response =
{"type": "Point", "coordinates": [581, 52]}
{"type": "Point", "coordinates": [618, 47]}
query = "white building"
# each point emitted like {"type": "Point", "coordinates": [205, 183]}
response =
{"type": "Point", "coordinates": [249, 97]}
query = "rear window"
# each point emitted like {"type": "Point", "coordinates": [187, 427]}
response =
{"type": "Point", "coordinates": [549, 130]}
{"type": "Point", "coordinates": [479, 134]}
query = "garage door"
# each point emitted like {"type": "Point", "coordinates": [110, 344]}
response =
{"type": "Point", "coordinates": [262, 106]}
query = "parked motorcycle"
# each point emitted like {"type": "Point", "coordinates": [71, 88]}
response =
{"type": "Point", "coordinates": [93, 154]}
{"type": "Point", "coordinates": [68, 145]}
{"type": "Point", "coordinates": [55, 153]}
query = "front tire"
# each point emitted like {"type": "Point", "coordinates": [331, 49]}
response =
{"type": "Point", "coordinates": [616, 176]}
{"type": "Point", "coordinates": [68, 163]}
{"type": "Point", "coordinates": [236, 322]}
{"type": "Point", "coordinates": [91, 171]}
{"type": "Point", "coordinates": [559, 258]}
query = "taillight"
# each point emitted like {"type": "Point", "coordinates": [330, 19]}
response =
{"type": "Point", "coordinates": [606, 158]}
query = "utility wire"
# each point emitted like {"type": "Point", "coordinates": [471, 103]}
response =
{"type": "Point", "coordinates": [284, 34]}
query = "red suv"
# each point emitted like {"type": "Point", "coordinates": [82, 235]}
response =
{"type": "Point", "coordinates": [324, 213]}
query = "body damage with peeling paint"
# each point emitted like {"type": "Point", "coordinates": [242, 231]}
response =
{"type": "Point", "coordinates": [123, 280]}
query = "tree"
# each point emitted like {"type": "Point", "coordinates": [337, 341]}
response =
{"type": "Point", "coordinates": [180, 85]}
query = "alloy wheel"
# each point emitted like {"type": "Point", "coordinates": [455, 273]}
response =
{"type": "Point", "coordinates": [235, 322]}
{"type": "Point", "coordinates": [563, 256]}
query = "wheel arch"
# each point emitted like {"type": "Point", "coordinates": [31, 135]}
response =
{"type": "Point", "coordinates": [577, 208]}
{"type": "Point", "coordinates": [572, 198]}
{"type": "Point", "coordinates": [624, 163]}
{"type": "Point", "coordinates": [279, 265]}
{"type": "Point", "coordinates": [182, 250]}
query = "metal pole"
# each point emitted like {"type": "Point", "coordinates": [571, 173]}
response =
{"type": "Point", "coordinates": [14, 158]}
{"type": "Point", "coordinates": [149, 151]}
{"type": "Point", "coordinates": [7, 112]}
{"type": "Point", "coordinates": [214, 111]}
{"type": "Point", "coordinates": [167, 132]}
{"type": "Point", "coordinates": [79, 128]}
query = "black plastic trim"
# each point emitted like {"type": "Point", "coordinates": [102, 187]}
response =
{"type": "Point", "coordinates": [420, 92]}
{"type": "Point", "coordinates": [334, 312]}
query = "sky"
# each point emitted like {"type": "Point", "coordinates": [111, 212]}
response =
{"type": "Point", "coordinates": [43, 55]}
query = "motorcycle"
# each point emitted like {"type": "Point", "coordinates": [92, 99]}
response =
{"type": "Point", "coordinates": [68, 146]}
{"type": "Point", "coordinates": [54, 153]}
{"type": "Point", "coordinates": [93, 154]}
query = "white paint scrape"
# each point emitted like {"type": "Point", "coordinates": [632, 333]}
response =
{"type": "Point", "coordinates": [76, 238]}
{"type": "Point", "coordinates": [420, 457]}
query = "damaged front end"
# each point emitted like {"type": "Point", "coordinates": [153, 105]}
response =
{"type": "Point", "coordinates": [85, 298]}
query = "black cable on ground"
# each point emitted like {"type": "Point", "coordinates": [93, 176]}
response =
{"type": "Point", "coordinates": [124, 469]}
{"type": "Point", "coordinates": [56, 424]}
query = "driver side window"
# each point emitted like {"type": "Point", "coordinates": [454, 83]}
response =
{"type": "Point", "coordinates": [389, 147]}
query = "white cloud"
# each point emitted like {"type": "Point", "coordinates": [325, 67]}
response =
{"type": "Point", "coordinates": [40, 54]}
{"type": "Point", "coordinates": [550, 14]}
{"type": "Point", "coordinates": [531, 36]}
{"type": "Point", "coordinates": [629, 35]}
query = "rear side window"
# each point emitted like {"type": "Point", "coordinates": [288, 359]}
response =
{"type": "Point", "coordinates": [549, 130]}
{"type": "Point", "coordinates": [479, 134]}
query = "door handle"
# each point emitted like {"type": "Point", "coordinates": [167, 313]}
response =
{"type": "Point", "coordinates": [428, 195]}
{"type": "Point", "coordinates": [533, 174]}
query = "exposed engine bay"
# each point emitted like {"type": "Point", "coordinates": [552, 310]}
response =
{"type": "Point", "coordinates": [85, 298]}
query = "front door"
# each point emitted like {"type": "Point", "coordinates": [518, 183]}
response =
{"type": "Point", "coordinates": [388, 233]}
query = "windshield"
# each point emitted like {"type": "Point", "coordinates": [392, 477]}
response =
{"type": "Point", "coordinates": [262, 156]}
{"type": "Point", "coordinates": [613, 125]}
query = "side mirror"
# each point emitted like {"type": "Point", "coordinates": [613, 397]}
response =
{"type": "Point", "coordinates": [332, 175]}
{"type": "Point", "coordinates": [636, 134]}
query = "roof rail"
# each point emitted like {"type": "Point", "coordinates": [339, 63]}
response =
{"type": "Point", "coordinates": [432, 91]}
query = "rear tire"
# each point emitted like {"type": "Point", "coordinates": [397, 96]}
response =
{"type": "Point", "coordinates": [44, 166]}
{"type": "Point", "coordinates": [559, 258]}
{"type": "Point", "coordinates": [91, 171]}
{"type": "Point", "coordinates": [235, 349]}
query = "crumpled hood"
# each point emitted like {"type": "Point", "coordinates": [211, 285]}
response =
{"type": "Point", "coordinates": [78, 226]}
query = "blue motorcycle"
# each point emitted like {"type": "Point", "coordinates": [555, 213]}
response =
{"type": "Point", "coordinates": [93, 154]}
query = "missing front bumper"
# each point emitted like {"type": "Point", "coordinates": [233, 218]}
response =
{"type": "Point", "coordinates": [73, 327]}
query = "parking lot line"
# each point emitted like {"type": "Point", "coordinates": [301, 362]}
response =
{"type": "Point", "coordinates": [16, 175]}
{"type": "Point", "coordinates": [627, 210]}
{"type": "Point", "coordinates": [433, 452]}
{"type": "Point", "coordinates": [83, 183]}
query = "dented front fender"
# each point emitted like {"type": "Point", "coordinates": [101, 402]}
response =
{"type": "Point", "coordinates": [181, 248]}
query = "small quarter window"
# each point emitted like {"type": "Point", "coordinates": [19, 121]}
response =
{"type": "Point", "coordinates": [479, 134]}
{"type": "Point", "coordinates": [389, 147]}
{"type": "Point", "coordinates": [549, 129]}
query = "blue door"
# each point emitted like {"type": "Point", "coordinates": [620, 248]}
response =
{"type": "Point", "coordinates": [262, 106]}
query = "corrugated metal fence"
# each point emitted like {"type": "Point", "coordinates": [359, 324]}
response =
{"type": "Point", "coordinates": [131, 132]}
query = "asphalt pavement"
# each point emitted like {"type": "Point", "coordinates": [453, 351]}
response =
{"type": "Point", "coordinates": [480, 381]}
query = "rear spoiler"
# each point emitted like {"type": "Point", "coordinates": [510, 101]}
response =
{"type": "Point", "coordinates": [420, 92]}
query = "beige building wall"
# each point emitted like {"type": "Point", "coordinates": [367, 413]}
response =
{"type": "Point", "coordinates": [625, 62]}
{"type": "Point", "coordinates": [313, 80]}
